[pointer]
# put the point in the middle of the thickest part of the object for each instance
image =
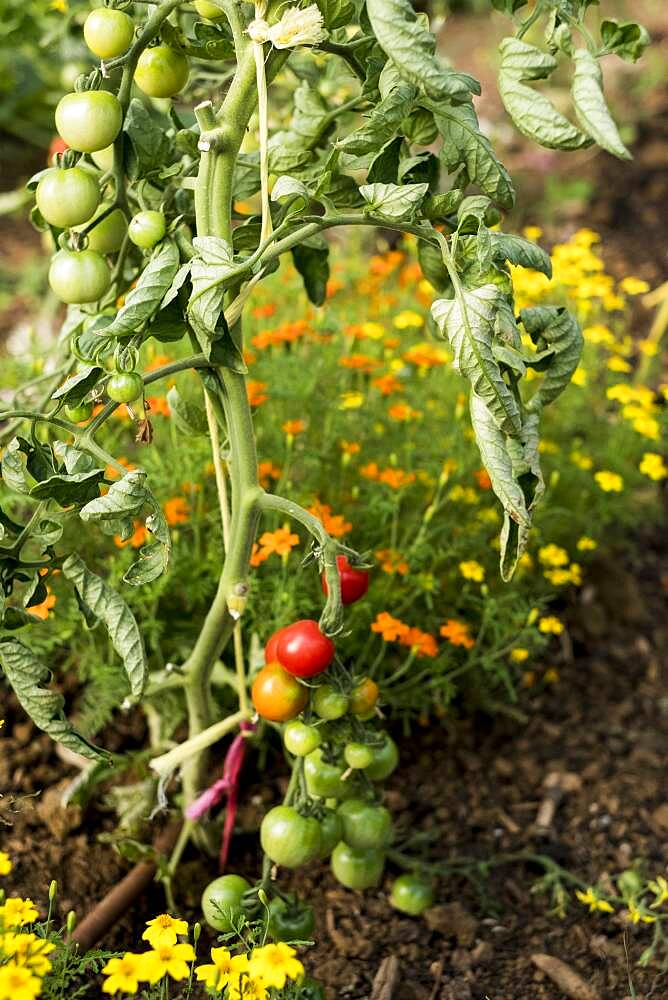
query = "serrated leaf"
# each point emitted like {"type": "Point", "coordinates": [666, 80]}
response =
{"type": "Point", "coordinates": [394, 201]}
{"type": "Point", "coordinates": [311, 258]}
{"type": "Point", "coordinates": [78, 385]}
{"type": "Point", "coordinates": [517, 250]}
{"type": "Point", "coordinates": [464, 144]}
{"type": "Point", "coordinates": [14, 470]}
{"type": "Point", "coordinates": [68, 490]}
{"type": "Point", "coordinates": [382, 123]}
{"type": "Point", "coordinates": [590, 107]}
{"type": "Point", "coordinates": [188, 417]}
{"type": "Point", "coordinates": [151, 564]}
{"type": "Point", "coordinates": [105, 605]}
{"type": "Point", "coordinates": [144, 300]}
{"type": "Point", "coordinates": [407, 41]}
{"type": "Point", "coordinates": [468, 323]}
{"type": "Point", "coordinates": [124, 499]}
{"type": "Point", "coordinates": [433, 268]}
{"type": "Point", "coordinates": [208, 271]}
{"type": "Point", "coordinates": [148, 141]}
{"type": "Point", "coordinates": [556, 328]}
{"type": "Point", "coordinates": [27, 675]}
{"type": "Point", "coordinates": [289, 189]}
{"type": "Point", "coordinates": [178, 281]}
{"type": "Point", "coordinates": [336, 13]}
{"type": "Point", "coordinates": [75, 460]}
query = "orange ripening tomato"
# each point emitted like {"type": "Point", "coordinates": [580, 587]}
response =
{"type": "Point", "coordinates": [363, 697]}
{"type": "Point", "coordinates": [277, 696]}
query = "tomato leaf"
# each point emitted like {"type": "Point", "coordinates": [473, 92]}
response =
{"type": "Point", "coordinates": [517, 250]}
{"type": "Point", "coordinates": [590, 107]}
{"type": "Point", "coordinates": [394, 201]}
{"type": "Point", "coordinates": [627, 40]}
{"type": "Point", "coordinates": [78, 385]}
{"type": "Point", "coordinates": [554, 327]}
{"type": "Point", "coordinates": [149, 143]}
{"type": "Point", "coordinates": [465, 145]}
{"type": "Point", "coordinates": [311, 258]}
{"type": "Point", "coordinates": [188, 417]}
{"type": "Point", "coordinates": [144, 300]}
{"type": "Point", "coordinates": [124, 498]}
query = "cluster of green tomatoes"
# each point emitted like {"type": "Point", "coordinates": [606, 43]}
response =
{"type": "Point", "coordinates": [340, 756]}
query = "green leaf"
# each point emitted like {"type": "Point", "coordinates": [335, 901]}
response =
{"type": "Point", "coordinates": [27, 675]}
{"type": "Point", "coordinates": [148, 141]}
{"type": "Point", "coordinates": [311, 258]}
{"type": "Point", "coordinates": [394, 201]}
{"type": "Point", "coordinates": [309, 120]}
{"type": "Point", "coordinates": [433, 268]}
{"type": "Point", "coordinates": [78, 385]}
{"type": "Point", "coordinates": [178, 281]}
{"type": "Point", "coordinates": [532, 112]}
{"type": "Point", "coordinates": [556, 328]}
{"type": "Point", "coordinates": [383, 122]}
{"type": "Point", "coordinates": [627, 39]}
{"type": "Point", "coordinates": [151, 564]}
{"type": "Point", "coordinates": [144, 300]}
{"type": "Point", "coordinates": [517, 250]}
{"type": "Point", "coordinates": [384, 167]}
{"type": "Point", "coordinates": [468, 323]}
{"type": "Point", "coordinates": [101, 603]}
{"type": "Point", "coordinates": [465, 145]}
{"type": "Point", "coordinates": [14, 470]}
{"type": "Point", "coordinates": [66, 490]}
{"type": "Point", "coordinates": [246, 176]}
{"type": "Point", "coordinates": [406, 40]}
{"type": "Point", "coordinates": [208, 270]}
{"type": "Point", "coordinates": [336, 13]}
{"type": "Point", "coordinates": [124, 498]}
{"type": "Point", "coordinates": [189, 418]}
{"type": "Point", "coordinates": [590, 107]}
{"type": "Point", "coordinates": [169, 325]}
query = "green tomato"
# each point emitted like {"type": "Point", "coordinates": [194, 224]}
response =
{"type": "Point", "coordinates": [104, 158]}
{"type": "Point", "coordinates": [90, 120]}
{"type": "Point", "coordinates": [331, 832]}
{"type": "Point", "coordinates": [357, 755]}
{"type": "Point", "coordinates": [208, 10]}
{"type": "Point", "coordinates": [108, 235]}
{"type": "Point", "coordinates": [78, 277]}
{"type": "Point", "coordinates": [146, 229]}
{"type": "Point", "coordinates": [288, 838]}
{"type": "Point", "coordinates": [290, 921]}
{"type": "Point", "coordinates": [329, 703]}
{"type": "Point", "coordinates": [67, 197]}
{"type": "Point", "coordinates": [385, 759]}
{"type": "Point", "coordinates": [221, 901]}
{"type": "Point", "coordinates": [365, 825]}
{"type": "Point", "coordinates": [125, 387]}
{"type": "Point", "coordinates": [108, 32]}
{"type": "Point", "coordinates": [323, 779]}
{"type": "Point", "coordinates": [301, 739]}
{"type": "Point", "coordinates": [357, 869]}
{"type": "Point", "coordinates": [77, 414]}
{"type": "Point", "coordinates": [411, 895]}
{"type": "Point", "coordinates": [161, 71]}
{"type": "Point", "coordinates": [70, 72]}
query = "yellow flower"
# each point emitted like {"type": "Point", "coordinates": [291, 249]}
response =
{"type": "Point", "coordinates": [633, 286]}
{"type": "Point", "coordinates": [616, 364]}
{"type": "Point", "coordinates": [591, 899]}
{"type": "Point", "coordinates": [651, 465]}
{"type": "Point", "coordinates": [660, 890]}
{"type": "Point", "coordinates": [609, 482]}
{"type": "Point", "coordinates": [163, 930]}
{"type": "Point", "coordinates": [168, 959]}
{"type": "Point", "coordinates": [551, 675]}
{"type": "Point", "coordinates": [550, 625]}
{"type": "Point", "coordinates": [635, 915]}
{"type": "Point", "coordinates": [373, 330]}
{"type": "Point", "coordinates": [225, 969]}
{"type": "Point", "coordinates": [351, 400]}
{"type": "Point", "coordinates": [598, 334]}
{"type": "Point", "coordinates": [5, 863]}
{"type": "Point", "coordinates": [274, 964]}
{"type": "Point", "coordinates": [519, 654]}
{"type": "Point", "coordinates": [553, 555]}
{"type": "Point", "coordinates": [532, 232]}
{"type": "Point", "coordinates": [648, 347]}
{"type": "Point", "coordinates": [248, 989]}
{"type": "Point", "coordinates": [472, 570]}
{"type": "Point", "coordinates": [647, 426]}
{"type": "Point", "coordinates": [18, 983]}
{"type": "Point", "coordinates": [28, 950]}
{"type": "Point", "coordinates": [406, 319]}
{"type": "Point", "coordinates": [123, 974]}
{"type": "Point", "coordinates": [579, 376]}
{"type": "Point", "coordinates": [586, 544]}
{"type": "Point", "coordinates": [17, 912]}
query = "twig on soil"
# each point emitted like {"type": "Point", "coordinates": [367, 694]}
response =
{"type": "Point", "coordinates": [556, 784]}
{"type": "Point", "coordinates": [386, 979]}
{"type": "Point", "coordinates": [563, 976]}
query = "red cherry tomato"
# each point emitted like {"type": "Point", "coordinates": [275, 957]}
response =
{"type": "Point", "coordinates": [271, 649]}
{"type": "Point", "coordinates": [276, 695]}
{"type": "Point", "coordinates": [303, 650]}
{"type": "Point", "coordinates": [354, 582]}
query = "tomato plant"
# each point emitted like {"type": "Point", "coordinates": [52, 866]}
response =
{"type": "Point", "coordinates": [108, 32]}
{"type": "Point", "coordinates": [90, 120]}
{"type": "Point", "coordinates": [301, 739]}
{"type": "Point", "coordinates": [290, 921]}
{"type": "Point", "coordinates": [289, 838]}
{"type": "Point", "coordinates": [161, 71]}
{"type": "Point", "coordinates": [303, 650]}
{"type": "Point", "coordinates": [365, 824]}
{"type": "Point", "coordinates": [221, 901]}
{"type": "Point", "coordinates": [277, 695]}
{"type": "Point", "coordinates": [411, 894]}
{"type": "Point", "coordinates": [125, 387]}
{"type": "Point", "coordinates": [357, 868]}
{"type": "Point", "coordinates": [67, 197]}
{"type": "Point", "coordinates": [79, 276]}
{"type": "Point", "coordinates": [354, 582]}
{"type": "Point", "coordinates": [146, 229]}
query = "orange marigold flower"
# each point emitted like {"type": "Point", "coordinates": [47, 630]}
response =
{"type": "Point", "coordinates": [386, 264]}
{"type": "Point", "coordinates": [391, 342]}
{"type": "Point", "coordinates": [256, 393]}
{"type": "Point", "coordinates": [350, 447]}
{"type": "Point", "coordinates": [390, 628]}
{"type": "Point", "coordinates": [334, 524]}
{"type": "Point", "coordinates": [403, 413]}
{"type": "Point", "coordinates": [293, 427]}
{"type": "Point", "coordinates": [425, 356]}
{"type": "Point", "coordinates": [359, 362]}
{"type": "Point", "coordinates": [158, 361]}
{"type": "Point", "coordinates": [481, 476]}
{"type": "Point", "coordinates": [250, 357]}
{"type": "Point", "coordinates": [267, 471]}
{"type": "Point", "coordinates": [457, 633]}
{"type": "Point", "coordinates": [158, 405]}
{"type": "Point", "coordinates": [111, 472]}
{"type": "Point", "coordinates": [396, 478]}
{"type": "Point", "coordinates": [410, 274]}
{"type": "Point", "coordinates": [42, 610]}
{"type": "Point", "coordinates": [392, 562]}
{"type": "Point", "coordinates": [334, 286]}
{"type": "Point", "coordinates": [258, 555]}
{"type": "Point", "coordinates": [387, 384]}
{"type": "Point", "coordinates": [266, 338]}
{"type": "Point", "coordinates": [177, 510]}
{"type": "Point", "coordinates": [370, 470]}
{"type": "Point", "coordinates": [423, 643]}
{"type": "Point", "coordinates": [264, 311]}
{"type": "Point", "coordinates": [136, 539]}
{"type": "Point", "coordinates": [281, 542]}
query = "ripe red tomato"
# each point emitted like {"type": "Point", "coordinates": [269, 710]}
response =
{"type": "Point", "coordinates": [276, 695]}
{"type": "Point", "coordinates": [303, 649]}
{"type": "Point", "coordinates": [271, 649]}
{"type": "Point", "coordinates": [354, 582]}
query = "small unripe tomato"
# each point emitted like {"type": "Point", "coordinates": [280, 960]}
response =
{"type": "Point", "coordinates": [385, 759]}
{"type": "Point", "coordinates": [303, 650]}
{"type": "Point", "coordinates": [67, 197]}
{"type": "Point", "coordinates": [328, 703]}
{"type": "Point", "coordinates": [290, 921]}
{"type": "Point", "coordinates": [108, 32]}
{"type": "Point", "coordinates": [77, 414]}
{"type": "Point", "coordinates": [276, 695]}
{"type": "Point", "coordinates": [104, 158]}
{"type": "Point", "coordinates": [146, 229]}
{"type": "Point", "coordinates": [288, 838]}
{"type": "Point", "coordinates": [161, 71]}
{"type": "Point", "coordinates": [412, 895]}
{"type": "Point", "coordinates": [357, 755]}
{"type": "Point", "coordinates": [300, 739]}
{"type": "Point", "coordinates": [331, 832]}
{"type": "Point", "coordinates": [208, 10]}
{"type": "Point", "coordinates": [357, 869]}
{"type": "Point", "coordinates": [354, 582]}
{"type": "Point", "coordinates": [323, 778]}
{"type": "Point", "coordinates": [221, 901]}
{"type": "Point", "coordinates": [90, 120]}
{"type": "Point", "coordinates": [79, 276]}
{"type": "Point", "coordinates": [364, 824]}
{"type": "Point", "coordinates": [108, 235]}
{"type": "Point", "coordinates": [363, 697]}
{"type": "Point", "coordinates": [125, 387]}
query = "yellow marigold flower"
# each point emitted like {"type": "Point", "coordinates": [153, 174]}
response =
{"type": "Point", "coordinates": [648, 347]}
{"type": "Point", "coordinates": [532, 232]}
{"type": "Point", "coordinates": [373, 330]}
{"type": "Point", "coordinates": [18, 983]}
{"type": "Point", "coordinates": [28, 950]}
{"type": "Point", "coordinates": [274, 964]}
{"type": "Point", "coordinates": [225, 970]}
{"type": "Point", "coordinates": [550, 625]}
{"type": "Point", "coordinates": [547, 447]}
{"type": "Point", "coordinates": [651, 465]}
{"type": "Point", "coordinates": [551, 675]}
{"type": "Point", "coordinates": [123, 974]}
{"type": "Point", "coordinates": [16, 912]}
{"type": "Point", "coordinates": [457, 633]}
{"type": "Point", "coordinates": [558, 577]}
{"type": "Point", "coordinates": [408, 319]}
{"type": "Point", "coordinates": [248, 989]}
{"type": "Point", "coordinates": [464, 494]}
{"type": "Point", "coordinates": [613, 303]}
{"type": "Point", "coordinates": [5, 860]}
{"type": "Point", "coordinates": [553, 555]}
{"type": "Point", "coordinates": [636, 915]}
{"type": "Point", "coordinates": [163, 930]}
{"type": "Point", "coordinates": [351, 400]}
{"type": "Point", "coordinates": [648, 427]}
{"type": "Point", "coordinates": [616, 364]}
{"type": "Point", "coordinates": [472, 570]}
{"type": "Point", "coordinates": [519, 655]}
{"type": "Point", "coordinates": [583, 462]}
{"type": "Point", "coordinates": [609, 482]}
{"type": "Point", "coordinates": [168, 959]}
{"type": "Point", "coordinates": [586, 544]}
{"type": "Point", "coordinates": [591, 899]}
{"type": "Point", "coordinates": [585, 237]}
{"type": "Point", "coordinates": [633, 286]}
{"type": "Point", "coordinates": [598, 334]}
{"type": "Point", "coordinates": [660, 890]}
{"type": "Point", "coordinates": [579, 376]}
